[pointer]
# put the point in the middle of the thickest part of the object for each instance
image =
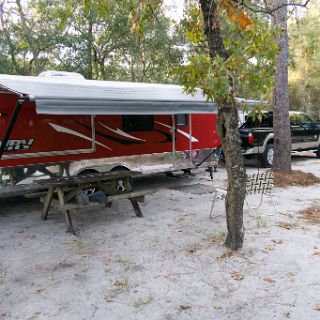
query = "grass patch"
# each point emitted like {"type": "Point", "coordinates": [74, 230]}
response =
{"type": "Point", "coordinates": [121, 286]}
{"type": "Point", "coordinates": [261, 222]}
{"type": "Point", "coordinates": [79, 245]}
{"type": "Point", "coordinates": [125, 262]}
{"type": "Point", "coordinates": [143, 301]}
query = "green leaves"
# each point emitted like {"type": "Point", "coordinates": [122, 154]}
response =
{"type": "Point", "coordinates": [192, 25]}
{"type": "Point", "coordinates": [141, 13]}
{"type": "Point", "coordinates": [304, 66]}
{"type": "Point", "coordinates": [118, 40]}
{"type": "Point", "coordinates": [251, 48]}
{"type": "Point", "coordinates": [210, 76]}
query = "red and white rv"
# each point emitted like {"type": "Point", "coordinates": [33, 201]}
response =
{"type": "Point", "coordinates": [82, 125]}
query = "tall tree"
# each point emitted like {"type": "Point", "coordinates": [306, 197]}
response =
{"type": "Point", "coordinates": [224, 41]}
{"type": "Point", "coordinates": [7, 44]}
{"type": "Point", "coordinates": [30, 34]}
{"type": "Point", "coordinates": [91, 37]}
{"type": "Point", "coordinates": [304, 66]}
{"type": "Point", "coordinates": [228, 130]}
{"type": "Point", "coordinates": [281, 123]}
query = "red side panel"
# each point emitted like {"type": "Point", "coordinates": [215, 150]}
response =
{"type": "Point", "coordinates": [38, 137]}
{"type": "Point", "coordinates": [51, 139]}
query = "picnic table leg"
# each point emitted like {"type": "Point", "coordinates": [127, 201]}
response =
{"type": "Point", "coordinates": [66, 212]}
{"type": "Point", "coordinates": [69, 222]}
{"type": "Point", "coordinates": [136, 208]}
{"type": "Point", "coordinates": [47, 203]}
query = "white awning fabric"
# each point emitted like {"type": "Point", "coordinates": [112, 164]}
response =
{"type": "Point", "coordinates": [66, 96]}
{"type": "Point", "coordinates": [63, 95]}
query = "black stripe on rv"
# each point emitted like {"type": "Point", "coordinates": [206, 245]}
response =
{"type": "Point", "coordinates": [167, 135]}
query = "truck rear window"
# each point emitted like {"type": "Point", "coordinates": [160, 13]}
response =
{"type": "Point", "coordinates": [264, 122]}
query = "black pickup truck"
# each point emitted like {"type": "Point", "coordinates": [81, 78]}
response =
{"type": "Point", "coordinates": [257, 136]}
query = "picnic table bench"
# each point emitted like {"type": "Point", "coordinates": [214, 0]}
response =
{"type": "Point", "coordinates": [116, 185]}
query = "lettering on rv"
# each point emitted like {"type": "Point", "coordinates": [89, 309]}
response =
{"type": "Point", "coordinates": [18, 145]}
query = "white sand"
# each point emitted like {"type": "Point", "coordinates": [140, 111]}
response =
{"type": "Point", "coordinates": [169, 265]}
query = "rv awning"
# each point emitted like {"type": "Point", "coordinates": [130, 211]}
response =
{"type": "Point", "coordinates": [63, 95]}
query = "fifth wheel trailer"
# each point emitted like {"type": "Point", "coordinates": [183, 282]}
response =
{"type": "Point", "coordinates": [78, 125]}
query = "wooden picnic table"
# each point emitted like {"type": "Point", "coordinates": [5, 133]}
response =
{"type": "Point", "coordinates": [116, 185]}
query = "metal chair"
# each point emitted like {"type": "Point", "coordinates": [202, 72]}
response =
{"type": "Point", "coordinates": [258, 183]}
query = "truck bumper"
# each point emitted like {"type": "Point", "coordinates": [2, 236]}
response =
{"type": "Point", "coordinates": [252, 151]}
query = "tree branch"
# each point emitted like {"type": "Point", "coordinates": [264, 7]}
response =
{"type": "Point", "coordinates": [269, 10]}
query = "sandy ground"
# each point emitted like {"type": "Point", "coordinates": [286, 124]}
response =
{"type": "Point", "coordinates": [171, 264]}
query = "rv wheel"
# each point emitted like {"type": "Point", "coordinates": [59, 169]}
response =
{"type": "Point", "coordinates": [120, 168]}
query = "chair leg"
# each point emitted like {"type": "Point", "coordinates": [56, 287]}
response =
{"type": "Point", "coordinates": [252, 212]}
{"type": "Point", "coordinates": [260, 203]}
{"type": "Point", "coordinates": [255, 211]}
{"type": "Point", "coordinates": [213, 202]}
{"type": "Point", "coordinates": [274, 206]}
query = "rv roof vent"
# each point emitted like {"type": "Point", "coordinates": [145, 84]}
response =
{"type": "Point", "coordinates": [65, 74]}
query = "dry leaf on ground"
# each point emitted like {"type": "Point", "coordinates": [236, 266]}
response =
{"type": "Point", "coordinates": [288, 226]}
{"type": "Point", "coordinates": [317, 306]}
{"type": "Point", "coordinates": [277, 241]}
{"type": "Point", "coordinates": [311, 214]}
{"type": "Point", "coordinates": [185, 307]}
{"type": "Point", "coordinates": [290, 274]}
{"type": "Point", "coordinates": [237, 276]}
{"type": "Point", "coordinates": [295, 178]}
{"type": "Point", "coordinates": [269, 280]}
{"type": "Point", "coordinates": [226, 254]}
{"type": "Point", "coordinates": [268, 249]}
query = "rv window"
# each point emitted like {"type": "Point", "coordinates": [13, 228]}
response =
{"type": "Point", "coordinates": [182, 120]}
{"type": "Point", "coordinates": [135, 123]}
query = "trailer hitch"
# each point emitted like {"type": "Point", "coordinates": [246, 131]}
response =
{"type": "Point", "coordinates": [210, 170]}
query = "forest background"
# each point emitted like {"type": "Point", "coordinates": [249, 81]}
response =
{"type": "Point", "coordinates": [97, 41]}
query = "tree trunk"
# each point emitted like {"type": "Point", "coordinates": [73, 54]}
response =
{"type": "Point", "coordinates": [229, 134]}
{"type": "Point", "coordinates": [236, 192]}
{"type": "Point", "coordinates": [31, 41]}
{"type": "Point", "coordinates": [281, 123]}
{"type": "Point", "coordinates": [7, 34]}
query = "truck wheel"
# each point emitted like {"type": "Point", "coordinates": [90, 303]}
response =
{"type": "Point", "coordinates": [267, 156]}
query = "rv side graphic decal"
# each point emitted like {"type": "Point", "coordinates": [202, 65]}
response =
{"type": "Point", "coordinates": [193, 139]}
{"type": "Point", "coordinates": [18, 145]}
{"type": "Point", "coordinates": [75, 133]}
{"type": "Point", "coordinates": [106, 136]}
{"type": "Point", "coordinates": [121, 133]}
